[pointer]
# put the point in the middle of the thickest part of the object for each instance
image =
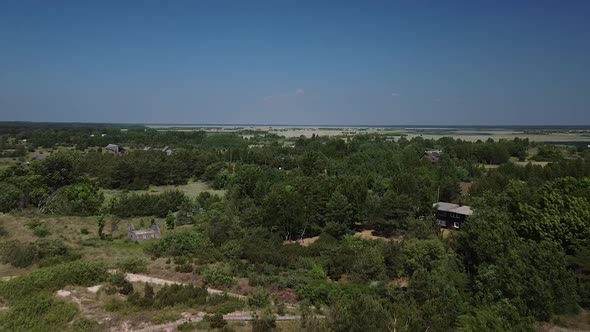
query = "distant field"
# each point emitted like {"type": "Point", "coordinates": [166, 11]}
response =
{"type": "Point", "coordinates": [467, 134]}
{"type": "Point", "coordinates": [191, 189]}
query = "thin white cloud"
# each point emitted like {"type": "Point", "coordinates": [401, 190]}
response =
{"type": "Point", "coordinates": [296, 93]}
{"type": "Point", "coordinates": [395, 94]}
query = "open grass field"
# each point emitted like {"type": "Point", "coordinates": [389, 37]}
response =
{"type": "Point", "coordinates": [192, 189]}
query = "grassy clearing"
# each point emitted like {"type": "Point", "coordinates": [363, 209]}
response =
{"type": "Point", "coordinates": [81, 233]}
{"type": "Point", "coordinates": [192, 189]}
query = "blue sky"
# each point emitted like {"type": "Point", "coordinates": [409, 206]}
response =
{"type": "Point", "coordinates": [296, 62]}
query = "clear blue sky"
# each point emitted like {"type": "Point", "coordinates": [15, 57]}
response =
{"type": "Point", "coordinates": [296, 62]}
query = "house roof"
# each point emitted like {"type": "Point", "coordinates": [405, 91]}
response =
{"type": "Point", "coordinates": [455, 208]}
{"type": "Point", "coordinates": [433, 155]}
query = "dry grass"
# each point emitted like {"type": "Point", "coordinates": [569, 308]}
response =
{"type": "Point", "coordinates": [567, 323]}
{"type": "Point", "coordinates": [192, 189]}
{"type": "Point", "coordinates": [69, 230]}
{"type": "Point", "coordinates": [367, 234]}
{"type": "Point", "coordinates": [465, 187]}
{"type": "Point", "coordinates": [538, 163]}
{"type": "Point", "coordinates": [445, 232]}
{"type": "Point", "coordinates": [305, 242]}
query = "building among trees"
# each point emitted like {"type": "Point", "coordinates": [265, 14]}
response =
{"type": "Point", "coordinates": [167, 150]}
{"type": "Point", "coordinates": [449, 215]}
{"type": "Point", "coordinates": [432, 155]}
{"type": "Point", "coordinates": [144, 234]}
{"type": "Point", "coordinates": [114, 148]}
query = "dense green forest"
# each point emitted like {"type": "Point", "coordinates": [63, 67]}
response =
{"type": "Point", "coordinates": [523, 257]}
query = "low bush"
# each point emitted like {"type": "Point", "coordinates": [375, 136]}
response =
{"type": "Point", "coordinates": [184, 268]}
{"type": "Point", "coordinates": [83, 324]}
{"type": "Point", "coordinates": [42, 251]}
{"type": "Point", "coordinates": [121, 284]}
{"type": "Point", "coordinates": [180, 242]}
{"type": "Point", "coordinates": [216, 320]}
{"type": "Point", "coordinates": [217, 275]}
{"type": "Point", "coordinates": [40, 312]}
{"type": "Point", "coordinates": [180, 294]}
{"type": "Point", "coordinates": [132, 264]}
{"type": "Point", "coordinates": [192, 326]}
{"type": "Point", "coordinates": [165, 316]}
{"type": "Point", "coordinates": [259, 299]}
{"type": "Point", "coordinates": [265, 322]}
{"type": "Point", "coordinates": [40, 230]}
{"type": "Point", "coordinates": [224, 304]}
{"type": "Point", "coordinates": [53, 278]}
{"type": "Point", "coordinates": [11, 197]}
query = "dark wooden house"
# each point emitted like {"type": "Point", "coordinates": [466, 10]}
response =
{"type": "Point", "coordinates": [432, 155]}
{"type": "Point", "coordinates": [450, 215]}
{"type": "Point", "coordinates": [114, 148]}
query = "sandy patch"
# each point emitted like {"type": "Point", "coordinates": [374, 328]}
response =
{"type": "Point", "coordinates": [305, 242]}
{"type": "Point", "coordinates": [367, 234]}
{"type": "Point", "coordinates": [94, 289]}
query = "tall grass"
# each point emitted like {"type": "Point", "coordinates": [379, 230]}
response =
{"type": "Point", "coordinates": [53, 278]}
{"type": "Point", "coordinates": [39, 312]}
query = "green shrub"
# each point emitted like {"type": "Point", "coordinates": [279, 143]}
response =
{"type": "Point", "coordinates": [216, 320]}
{"type": "Point", "coordinates": [82, 324]}
{"type": "Point", "coordinates": [260, 299]}
{"type": "Point", "coordinates": [224, 304]}
{"type": "Point", "coordinates": [193, 326]}
{"type": "Point", "coordinates": [180, 242]}
{"type": "Point", "coordinates": [84, 231]}
{"type": "Point", "coordinates": [3, 232]}
{"type": "Point", "coordinates": [265, 322]}
{"type": "Point", "coordinates": [121, 284]}
{"type": "Point", "coordinates": [80, 199]}
{"type": "Point", "coordinates": [184, 268]}
{"type": "Point", "coordinates": [114, 304]}
{"type": "Point", "coordinates": [41, 230]}
{"type": "Point", "coordinates": [53, 278]}
{"type": "Point", "coordinates": [171, 295]}
{"type": "Point", "coordinates": [11, 197]}
{"type": "Point", "coordinates": [217, 275]}
{"type": "Point", "coordinates": [42, 251]}
{"type": "Point", "coordinates": [40, 312]}
{"type": "Point", "coordinates": [147, 204]}
{"type": "Point", "coordinates": [132, 264]}
{"type": "Point", "coordinates": [164, 316]}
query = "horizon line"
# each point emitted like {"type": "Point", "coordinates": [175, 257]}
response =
{"type": "Point", "coordinates": [306, 125]}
